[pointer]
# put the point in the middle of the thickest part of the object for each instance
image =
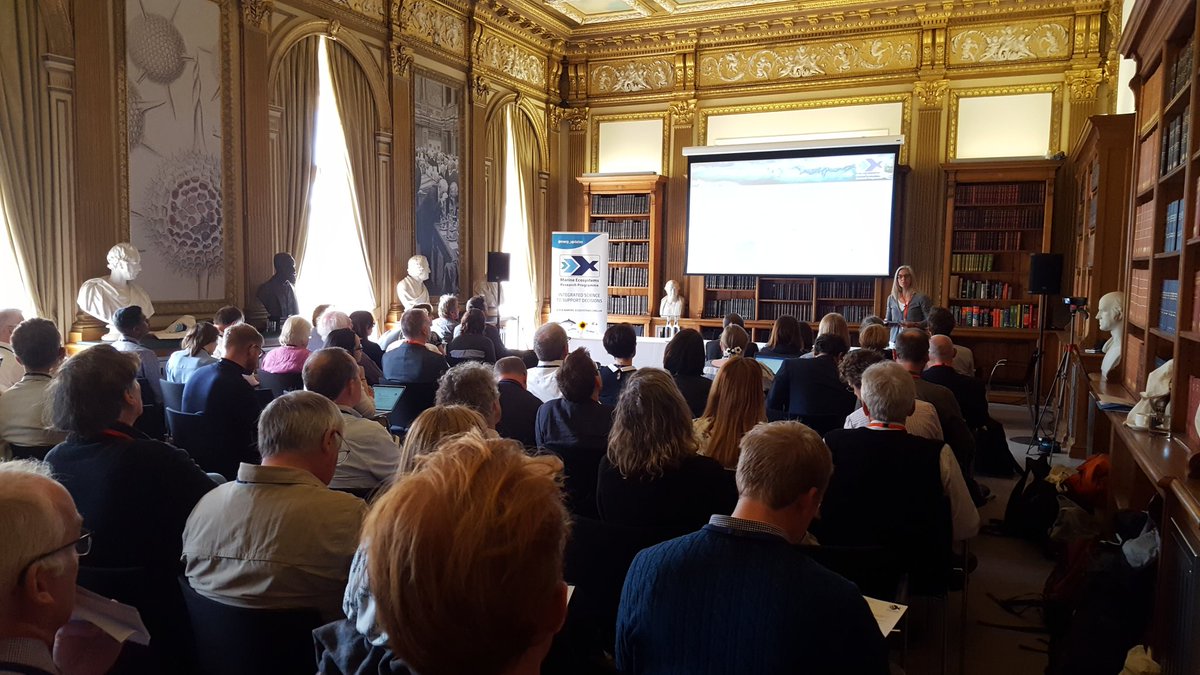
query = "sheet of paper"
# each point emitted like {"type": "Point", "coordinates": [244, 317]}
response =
{"type": "Point", "coordinates": [886, 613]}
{"type": "Point", "coordinates": [122, 622]}
{"type": "Point", "coordinates": [570, 592]}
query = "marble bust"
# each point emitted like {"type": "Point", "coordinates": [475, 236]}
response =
{"type": "Point", "coordinates": [411, 289]}
{"type": "Point", "coordinates": [278, 294]}
{"type": "Point", "coordinates": [1111, 318]}
{"type": "Point", "coordinates": [103, 296]}
{"type": "Point", "coordinates": [671, 306]}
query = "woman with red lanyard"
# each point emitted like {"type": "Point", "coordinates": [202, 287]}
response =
{"type": "Point", "coordinates": [906, 307]}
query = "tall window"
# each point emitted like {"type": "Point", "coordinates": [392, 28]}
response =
{"type": "Point", "coordinates": [517, 293]}
{"type": "Point", "coordinates": [13, 292]}
{"type": "Point", "coordinates": [332, 271]}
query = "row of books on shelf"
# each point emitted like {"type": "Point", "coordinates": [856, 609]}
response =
{"type": "Point", "coordinates": [604, 204]}
{"type": "Point", "coordinates": [1000, 219]}
{"type": "Point", "coordinates": [717, 309]}
{"type": "Point", "coordinates": [1168, 306]}
{"type": "Point", "coordinates": [1143, 230]}
{"type": "Point", "coordinates": [625, 228]}
{"type": "Point", "coordinates": [627, 252]}
{"type": "Point", "coordinates": [1135, 367]}
{"type": "Point", "coordinates": [1139, 296]}
{"type": "Point", "coordinates": [972, 262]}
{"type": "Point", "coordinates": [973, 194]}
{"type": "Point", "coordinates": [629, 276]}
{"type": "Point", "coordinates": [1015, 316]}
{"type": "Point", "coordinates": [1180, 71]}
{"type": "Point", "coordinates": [988, 241]}
{"type": "Point", "coordinates": [853, 313]}
{"type": "Point", "coordinates": [732, 282]}
{"type": "Point", "coordinates": [974, 289]}
{"type": "Point", "coordinates": [632, 305]}
{"type": "Point", "coordinates": [1148, 153]}
{"type": "Point", "coordinates": [787, 290]}
{"type": "Point", "coordinates": [774, 310]}
{"type": "Point", "coordinates": [1175, 142]}
{"type": "Point", "coordinates": [1174, 235]}
{"type": "Point", "coordinates": [857, 290]}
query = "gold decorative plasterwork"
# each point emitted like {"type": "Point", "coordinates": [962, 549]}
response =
{"type": "Point", "coordinates": [683, 113]}
{"type": "Point", "coordinates": [257, 13]}
{"type": "Point", "coordinates": [1046, 40]}
{"type": "Point", "coordinates": [931, 93]}
{"type": "Point", "coordinates": [630, 76]}
{"type": "Point", "coordinates": [577, 117]}
{"type": "Point", "coordinates": [481, 91]}
{"type": "Point", "coordinates": [1084, 84]}
{"type": "Point", "coordinates": [1053, 88]}
{"type": "Point", "coordinates": [335, 26]}
{"type": "Point", "coordinates": [812, 60]}
{"type": "Point", "coordinates": [598, 120]}
{"type": "Point", "coordinates": [512, 60]}
{"type": "Point", "coordinates": [435, 25]}
{"type": "Point", "coordinates": [371, 9]}
{"type": "Point", "coordinates": [400, 59]}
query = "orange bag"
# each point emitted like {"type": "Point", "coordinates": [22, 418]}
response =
{"type": "Point", "coordinates": [1088, 486]}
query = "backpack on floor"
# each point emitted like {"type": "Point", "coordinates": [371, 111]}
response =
{"type": "Point", "coordinates": [1088, 486]}
{"type": "Point", "coordinates": [1033, 504]}
{"type": "Point", "coordinates": [992, 456]}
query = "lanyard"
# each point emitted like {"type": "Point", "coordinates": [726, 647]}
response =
{"type": "Point", "coordinates": [876, 424]}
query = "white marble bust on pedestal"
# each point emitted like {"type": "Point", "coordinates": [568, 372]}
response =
{"type": "Point", "coordinates": [671, 306]}
{"type": "Point", "coordinates": [103, 296]}
{"type": "Point", "coordinates": [411, 289]}
{"type": "Point", "coordinates": [1111, 317]}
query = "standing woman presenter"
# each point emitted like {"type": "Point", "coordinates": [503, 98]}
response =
{"type": "Point", "coordinates": [906, 307]}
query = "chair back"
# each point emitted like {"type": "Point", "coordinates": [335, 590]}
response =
{"type": "Point", "coordinates": [156, 596]}
{"type": "Point", "coordinates": [280, 383]}
{"type": "Point", "coordinates": [581, 470]}
{"type": "Point", "coordinates": [196, 434]}
{"type": "Point", "coordinates": [871, 568]}
{"type": "Point", "coordinates": [29, 451]}
{"type": "Point", "coordinates": [172, 393]}
{"type": "Point", "coordinates": [822, 424]}
{"type": "Point", "coordinates": [416, 399]}
{"type": "Point", "coordinates": [239, 641]}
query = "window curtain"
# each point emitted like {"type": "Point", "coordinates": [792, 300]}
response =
{"type": "Point", "coordinates": [356, 106]}
{"type": "Point", "coordinates": [297, 86]}
{"type": "Point", "coordinates": [492, 231]}
{"type": "Point", "coordinates": [528, 162]}
{"type": "Point", "coordinates": [24, 173]}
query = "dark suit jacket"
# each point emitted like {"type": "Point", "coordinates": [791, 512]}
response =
{"type": "Point", "coordinates": [695, 390]}
{"type": "Point", "coordinates": [810, 387]}
{"type": "Point", "coordinates": [968, 391]}
{"type": "Point", "coordinates": [578, 434]}
{"type": "Point", "coordinates": [712, 350]}
{"type": "Point", "coordinates": [220, 391]}
{"type": "Point", "coordinates": [373, 352]}
{"type": "Point", "coordinates": [518, 413]}
{"type": "Point", "coordinates": [412, 364]}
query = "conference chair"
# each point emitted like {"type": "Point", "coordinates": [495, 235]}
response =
{"type": "Point", "coordinates": [194, 433]}
{"type": "Point", "coordinates": [172, 393]}
{"type": "Point", "coordinates": [240, 641]}
{"type": "Point", "coordinates": [156, 596]}
{"type": "Point", "coordinates": [151, 421]}
{"type": "Point", "coordinates": [280, 383]}
{"type": "Point", "coordinates": [416, 399]}
{"type": "Point", "coordinates": [581, 470]}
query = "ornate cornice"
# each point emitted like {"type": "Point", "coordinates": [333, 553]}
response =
{"type": "Point", "coordinates": [683, 113]}
{"type": "Point", "coordinates": [1084, 83]}
{"type": "Point", "coordinates": [1055, 89]}
{"type": "Point", "coordinates": [257, 13]}
{"type": "Point", "coordinates": [577, 117]}
{"type": "Point", "coordinates": [481, 91]}
{"type": "Point", "coordinates": [400, 59]}
{"type": "Point", "coordinates": [931, 93]}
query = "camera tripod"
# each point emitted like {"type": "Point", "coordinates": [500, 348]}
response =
{"type": "Point", "coordinates": [1046, 444]}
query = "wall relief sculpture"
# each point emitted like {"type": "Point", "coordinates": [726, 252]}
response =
{"type": "Point", "coordinates": [632, 76]}
{"type": "Point", "coordinates": [512, 60]}
{"type": "Point", "coordinates": [819, 60]}
{"type": "Point", "coordinates": [1019, 42]}
{"type": "Point", "coordinates": [372, 9]}
{"type": "Point", "coordinates": [435, 25]}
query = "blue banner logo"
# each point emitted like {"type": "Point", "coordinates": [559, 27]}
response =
{"type": "Point", "coordinates": [578, 265]}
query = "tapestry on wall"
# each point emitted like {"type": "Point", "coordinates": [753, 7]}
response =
{"type": "Point", "coordinates": [173, 108]}
{"type": "Point", "coordinates": [437, 141]}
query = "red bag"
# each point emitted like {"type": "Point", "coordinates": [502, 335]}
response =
{"type": "Point", "coordinates": [1088, 486]}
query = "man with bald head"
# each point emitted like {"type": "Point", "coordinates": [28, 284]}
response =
{"type": "Point", "coordinates": [968, 391]}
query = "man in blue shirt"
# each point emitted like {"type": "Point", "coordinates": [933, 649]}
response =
{"type": "Point", "coordinates": [739, 596]}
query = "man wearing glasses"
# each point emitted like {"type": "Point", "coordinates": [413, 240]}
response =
{"type": "Point", "coordinates": [43, 541]}
{"type": "Point", "coordinates": [278, 537]}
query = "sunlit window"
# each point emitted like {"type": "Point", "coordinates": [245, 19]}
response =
{"type": "Point", "coordinates": [332, 271]}
{"type": "Point", "coordinates": [13, 292]}
{"type": "Point", "coordinates": [517, 293]}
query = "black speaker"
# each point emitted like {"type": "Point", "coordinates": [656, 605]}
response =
{"type": "Point", "coordinates": [497, 266]}
{"type": "Point", "coordinates": [1045, 273]}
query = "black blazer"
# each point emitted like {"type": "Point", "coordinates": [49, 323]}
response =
{"type": "Point", "coordinates": [373, 352]}
{"type": "Point", "coordinates": [220, 391]}
{"type": "Point", "coordinates": [673, 504]}
{"type": "Point", "coordinates": [612, 382]}
{"type": "Point", "coordinates": [413, 364]}
{"type": "Point", "coordinates": [968, 391]}
{"type": "Point", "coordinates": [518, 413]}
{"type": "Point", "coordinates": [472, 348]}
{"type": "Point", "coordinates": [695, 390]}
{"type": "Point", "coordinates": [810, 387]}
{"type": "Point", "coordinates": [578, 434]}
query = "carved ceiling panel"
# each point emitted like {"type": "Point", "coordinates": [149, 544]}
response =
{"type": "Point", "coordinates": [375, 10]}
{"type": "Point", "coordinates": [512, 60]}
{"type": "Point", "coordinates": [810, 60]}
{"type": "Point", "coordinates": [435, 25]}
{"type": "Point", "coordinates": [630, 76]}
{"type": "Point", "coordinates": [1045, 40]}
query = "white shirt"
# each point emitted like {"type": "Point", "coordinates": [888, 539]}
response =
{"type": "Point", "coordinates": [22, 413]}
{"type": "Point", "coordinates": [964, 360]}
{"type": "Point", "coordinates": [374, 455]}
{"type": "Point", "coordinates": [542, 380]}
{"type": "Point", "coordinates": [923, 422]}
{"type": "Point", "coordinates": [10, 371]}
{"type": "Point", "coordinates": [181, 365]}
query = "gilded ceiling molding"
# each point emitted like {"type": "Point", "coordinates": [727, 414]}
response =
{"type": "Point", "coordinates": [577, 117]}
{"type": "Point", "coordinates": [931, 93]}
{"type": "Point", "coordinates": [598, 120]}
{"type": "Point", "coordinates": [481, 91]}
{"type": "Point", "coordinates": [1038, 40]}
{"type": "Point", "coordinates": [1083, 84]}
{"type": "Point", "coordinates": [370, 9]}
{"type": "Point", "coordinates": [683, 113]}
{"type": "Point", "coordinates": [629, 76]}
{"type": "Point", "coordinates": [511, 59]}
{"type": "Point", "coordinates": [528, 22]}
{"type": "Point", "coordinates": [434, 25]}
{"type": "Point", "coordinates": [257, 13]}
{"type": "Point", "coordinates": [821, 60]}
{"type": "Point", "coordinates": [334, 28]}
{"type": "Point", "coordinates": [400, 60]}
{"type": "Point", "coordinates": [1055, 89]}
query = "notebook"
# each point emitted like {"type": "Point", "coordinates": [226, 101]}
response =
{"type": "Point", "coordinates": [386, 396]}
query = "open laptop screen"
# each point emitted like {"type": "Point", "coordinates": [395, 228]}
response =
{"type": "Point", "coordinates": [386, 396]}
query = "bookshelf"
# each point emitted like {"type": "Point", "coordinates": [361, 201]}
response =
{"type": "Point", "coordinates": [762, 299]}
{"type": "Point", "coordinates": [628, 207]}
{"type": "Point", "coordinates": [1163, 259]}
{"type": "Point", "coordinates": [1102, 162]}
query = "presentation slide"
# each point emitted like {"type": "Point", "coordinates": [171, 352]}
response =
{"type": "Point", "coordinates": [792, 215]}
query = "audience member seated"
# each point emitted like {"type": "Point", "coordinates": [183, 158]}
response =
{"type": "Point", "coordinates": [434, 344]}
{"type": "Point", "coordinates": [890, 487]}
{"type": "Point", "coordinates": [518, 407]}
{"type": "Point", "coordinates": [924, 420]}
{"type": "Point", "coordinates": [134, 325]}
{"type": "Point", "coordinates": [684, 360]}
{"type": "Point", "coordinates": [810, 389]}
{"type": "Point", "coordinates": [740, 596]}
{"type": "Point", "coordinates": [198, 346]}
{"type": "Point", "coordinates": [871, 320]}
{"type": "Point", "coordinates": [373, 454]}
{"type": "Point", "coordinates": [431, 428]}
{"type": "Point", "coordinates": [491, 332]}
{"type": "Point", "coordinates": [316, 340]}
{"type": "Point", "coordinates": [471, 384]}
{"type": "Point", "coordinates": [875, 337]}
{"type": "Point", "coordinates": [470, 344]}
{"type": "Point", "coordinates": [227, 317]}
{"type": "Point", "coordinates": [10, 370]}
{"type": "Point", "coordinates": [832, 323]}
{"type": "Point", "coordinates": [550, 345]}
{"type": "Point", "coordinates": [447, 319]}
{"type": "Point", "coordinates": [411, 362]}
{"type": "Point", "coordinates": [347, 339]}
{"type": "Point", "coordinates": [278, 537]}
{"type": "Point", "coordinates": [652, 477]}
{"type": "Point", "coordinates": [735, 404]}
{"type": "Point", "coordinates": [495, 597]}
{"type": "Point", "coordinates": [968, 391]}
{"type": "Point", "coordinates": [787, 339]}
{"type": "Point", "coordinates": [330, 321]}
{"type": "Point", "coordinates": [941, 322]}
{"type": "Point", "coordinates": [576, 427]}
{"type": "Point", "coordinates": [43, 542]}
{"type": "Point", "coordinates": [292, 352]}
{"type": "Point", "coordinates": [714, 350]}
{"type": "Point", "coordinates": [734, 342]}
{"type": "Point", "coordinates": [25, 407]}
{"type": "Point", "coordinates": [621, 343]}
{"type": "Point", "coordinates": [134, 493]}
{"type": "Point", "coordinates": [363, 323]}
{"type": "Point", "coordinates": [224, 393]}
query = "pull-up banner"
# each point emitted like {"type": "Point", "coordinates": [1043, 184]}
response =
{"type": "Point", "coordinates": [579, 294]}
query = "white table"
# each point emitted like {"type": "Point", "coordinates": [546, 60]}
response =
{"type": "Point", "coordinates": [649, 354]}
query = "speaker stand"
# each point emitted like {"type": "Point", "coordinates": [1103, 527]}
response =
{"type": "Point", "coordinates": [1036, 394]}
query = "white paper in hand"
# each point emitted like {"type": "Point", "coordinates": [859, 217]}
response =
{"type": "Point", "coordinates": [886, 613]}
{"type": "Point", "coordinates": [122, 622]}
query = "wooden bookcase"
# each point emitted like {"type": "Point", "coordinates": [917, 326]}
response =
{"type": "Point", "coordinates": [1163, 261]}
{"type": "Point", "coordinates": [1102, 160]}
{"type": "Point", "coordinates": [629, 208]}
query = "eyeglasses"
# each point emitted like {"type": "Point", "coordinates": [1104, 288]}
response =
{"type": "Point", "coordinates": [82, 545]}
{"type": "Point", "coordinates": [343, 452]}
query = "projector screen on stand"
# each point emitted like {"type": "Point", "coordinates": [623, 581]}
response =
{"type": "Point", "coordinates": [798, 209]}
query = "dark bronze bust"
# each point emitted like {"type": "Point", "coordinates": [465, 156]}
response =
{"type": "Point", "coordinates": [278, 294]}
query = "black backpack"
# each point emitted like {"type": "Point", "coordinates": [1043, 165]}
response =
{"type": "Point", "coordinates": [1033, 504]}
{"type": "Point", "coordinates": [992, 456]}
